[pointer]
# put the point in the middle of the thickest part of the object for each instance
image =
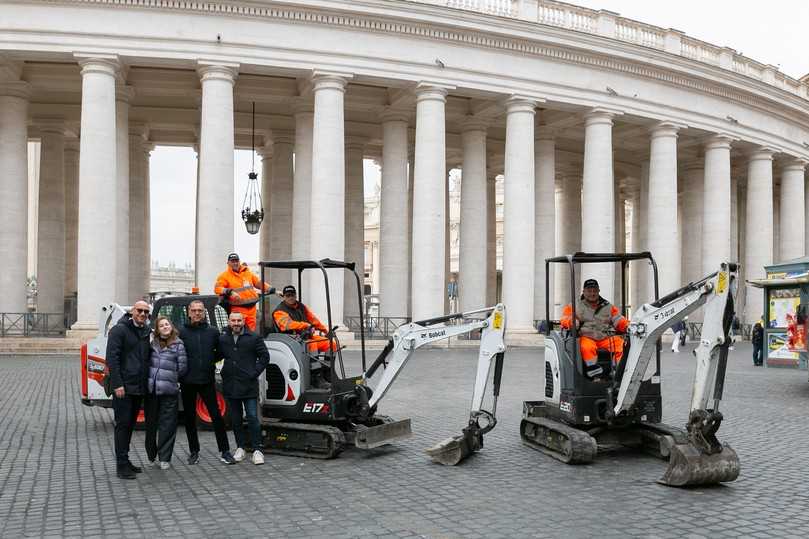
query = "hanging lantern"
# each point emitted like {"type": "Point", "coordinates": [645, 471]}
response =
{"type": "Point", "coordinates": [252, 209]}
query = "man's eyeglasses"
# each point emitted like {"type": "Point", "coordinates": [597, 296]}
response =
{"type": "Point", "coordinates": [142, 311]}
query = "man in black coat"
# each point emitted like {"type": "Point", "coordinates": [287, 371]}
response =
{"type": "Point", "coordinates": [202, 348]}
{"type": "Point", "coordinates": [246, 357]}
{"type": "Point", "coordinates": [128, 362]}
{"type": "Point", "coordinates": [757, 337]}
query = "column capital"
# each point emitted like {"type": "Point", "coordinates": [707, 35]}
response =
{"type": "Point", "coordinates": [795, 164]}
{"type": "Point", "coordinates": [391, 114]}
{"type": "Point", "coordinates": [50, 125]}
{"type": "Point", "coordinates": [106, 64]}
{"type": "Point", "coordinates": [224, 71]}
{"type": "Point", "coordinates": [600, 116]}
{"type": "Point", "coordinates": [693, 166]}
{"type": "Point", "coordinates": [762, 153]}
{"type": "Point", "coordinates": [719, 141]}
{"type": "Point", "coordinates": [72, 144]}
{"type": "Point", "coordinates": [666, 129]}
{"type": "Point", "coordinates": [521, 103]}
{"type": "Point", "coordinates": [15, 89]}
{"type": "Point", "coordinates": [138, 129]}
{"type": "Point", "coordinates": [355, 142]}
{"type": "Point", "coordinates": [427, 91]}
{"type": "Point", "coordinates": [474, 123]}
{"type": "Point", "coordinates": [267, 151]}
{"type": "Point", "coordinates": [329, 80]}
{"type": "Point", "coordinates": [10, 70]}
{"type": "Point", "coordinates": [124, 93]}
{"type": "Point", "coordinates": [282, 136]}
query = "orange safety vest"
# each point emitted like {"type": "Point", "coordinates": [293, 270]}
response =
{"type": "Point", "coordinates": [595, 321]}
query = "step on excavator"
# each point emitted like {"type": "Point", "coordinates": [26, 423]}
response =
{"type": "Point", "coordinates": [311, 408]}
{"type": "Point", "coordinates": [581, 414]}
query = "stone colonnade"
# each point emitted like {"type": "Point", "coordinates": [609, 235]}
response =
{"type": "Point", "coordinates": [96, 196]}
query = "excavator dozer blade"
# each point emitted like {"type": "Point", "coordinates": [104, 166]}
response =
{"type": "Point", "coordinates": [454, 450]}
{"type": "Point", "coordinates": [688, 466]}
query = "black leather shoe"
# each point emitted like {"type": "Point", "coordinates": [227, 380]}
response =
{"type": "Point", "coordinates": [126, 473]}
{"type": "Point", "coordinates": [136, 469]}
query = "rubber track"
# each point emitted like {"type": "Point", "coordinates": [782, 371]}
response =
{"type": "Point", "coordinates": [337, 440]}
{"type": "Point", "coordinates": [584, 447]}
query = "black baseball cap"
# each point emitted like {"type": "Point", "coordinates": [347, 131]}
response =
{"type": "Point", "coordinates": [233, 256]}
{"type": "Point", "coordinates": [590, 283]}
{"type": "Point", "coordinates": [289, 289]}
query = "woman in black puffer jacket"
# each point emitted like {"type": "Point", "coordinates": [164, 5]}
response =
{"type": "Point", "coordinates": [168, 365]}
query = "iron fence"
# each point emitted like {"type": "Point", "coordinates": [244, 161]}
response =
{"type": "Point", "coordinates": [32, 324]}
{"type": "Point", "coordinates": [376, 327]}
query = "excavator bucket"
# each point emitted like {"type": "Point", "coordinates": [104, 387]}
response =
{"type": "Point", "coordinates": [454, 450]}
{"type": "Point", "coordinates": [688, 466]}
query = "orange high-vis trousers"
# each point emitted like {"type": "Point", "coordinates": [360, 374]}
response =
{"type": "Point", "coordinates": [590, 347]}
{"type": "Point", "coordinates": [319, 343]}
{"type": "Point", "coordinates": [249, 315]}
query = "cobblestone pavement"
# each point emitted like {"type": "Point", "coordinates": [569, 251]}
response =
{"type": "Point", "coordinates": [57, 470]}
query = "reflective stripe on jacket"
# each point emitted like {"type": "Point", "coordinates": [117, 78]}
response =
{"type": "Point", "coordinates": [243, 282]}
{"type": "Point", "coordinates": [594, 321]}
{"type": "Point", "coordinates": [295, 319]}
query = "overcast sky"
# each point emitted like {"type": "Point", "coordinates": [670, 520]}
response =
{"type": "Point", "coordinates": [775, 32]}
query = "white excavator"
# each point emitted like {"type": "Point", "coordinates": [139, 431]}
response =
{"type": "Point", "coordinates": [581, 414]}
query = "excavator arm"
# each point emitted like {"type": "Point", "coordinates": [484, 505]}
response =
{"type": "Point", "coordinates": [702, 459]}
{"type": "Point", "coordinates": [409, 338]}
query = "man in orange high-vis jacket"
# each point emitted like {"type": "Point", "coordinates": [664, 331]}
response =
{"type": "Point", "coordinates": [595, 316]}
{"type": "Point", "coordinates": [292, 316]}
{"type": "Point", "coordinates": [240, 288]}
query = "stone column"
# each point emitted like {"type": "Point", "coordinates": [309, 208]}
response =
{"type": "Point", "coordinates": [792, 221]}
{"type": "Point", "coordinates": [662, 226]}
{"type": "Point", "coordinates": [447, 246]}
{"type": "Point", "coordinates": [634, 247]}
{"type": "Point", "coordinates": [545, 223]}
{"type": "Point", "coordinates": [393, 215]}
{"type": "Point", "coordinates": [97, 192]}
{"type": "Point", "coordinates": [265, 232]}
{"type": "Point", "coordinates": [137, 215]}
{"type": "Point", "coordinates": [598, 198]}
{"type": "Point", "coordinates": [472, 253]}
{"type": "Point", "coordinates": [644, 288]}
{"type": "Point", "coordinates": [569, 236]}
{"type": "Point", "coordinates": [281, 205]}
{"type": "Point", "coordinates": [71, 213]}
{"type": "Point", "coordinates": [716, 204]}
{"type": "Point", "coordinates": [216, 191]}
{"type": "Point", "coordinates": [693, 206]}
{"type": "Point", "coordinates": [355, 223]}
{"type": "Point", "coordinates": [411, 170]}
{"type": "Point", "coordinates": [491, 238]}
{"type": "Point", "coordinates": [51, 235]}
{"type": "Point", "coordinates": [327, 215]}
{"type": "Point", "coordinates": [776, 222]}
{"type": "Point", "coordinates": [759, 229]}
{"type": "Point", "coordinates": [146, 226]}
{"type": "Point", "coordinates": [429, 212]}
{"type": "Point", "coordinates": [734, 220]}
{"type": "Point", "coordinates": [14, 195]}
{"type": "Point", "coordinates": [620, 242]}
{"type": "Point", "coordinates": [518, 215]}
{"type": "Point", "coordinates": [123, 263]}
{"type": "Point", "coordinates": [302, 189]}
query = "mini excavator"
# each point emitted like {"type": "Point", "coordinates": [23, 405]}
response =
{"type": "Point", "coordinates": [580, 415]}
{"type": "Point", "coordinates": [319, 420]}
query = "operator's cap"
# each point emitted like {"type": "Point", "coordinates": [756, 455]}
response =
{"type": "Point", "coordinates": [289, 289]}
{"type": "Point", "coordinates": [590, 283]}
{"type": "Point", "coordinates": [233, 256]}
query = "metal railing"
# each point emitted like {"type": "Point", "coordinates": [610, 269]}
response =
{"type": "Point", "coordinates": [376, 327]}
{"type": "Point", "coordinates": [32, 324]}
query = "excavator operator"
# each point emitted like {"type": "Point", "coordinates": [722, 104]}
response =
{"type": "Point", "coordinates": [596, 318]}
{"type": "Point", "coordinates": [292, 316]}
{"type": "Point", "coordinates": [239, 287]}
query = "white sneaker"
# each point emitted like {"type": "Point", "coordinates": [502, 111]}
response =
{"type": "Point", "coordinates": [258, 457]}
{"type": "Point", "coordinates": [239, 455]}
{"type": "Point", "coordinates": [164, 465]}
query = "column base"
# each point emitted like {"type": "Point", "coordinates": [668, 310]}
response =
{"type": "Point", "coordinates": [82, 332]}
{"type": "Point", "coordinates": [524, 338]}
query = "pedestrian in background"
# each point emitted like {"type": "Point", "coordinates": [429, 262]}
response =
{"type": "Point", "coordinates": [128, 362]}
{"type": "Point", "coordinates": [757, 337]}
{"type": "Point", "coordinates": [679, 330]}
{"type": "Point", "coordinates": [246, 357]}
{"type": "Point", "coordinates": [168, 365]}
{"type": "Point", "coordinates": [201, 342]}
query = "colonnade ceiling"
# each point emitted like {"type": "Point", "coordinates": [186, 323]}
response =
{"type": "Point", "coordinates": [166, 102]}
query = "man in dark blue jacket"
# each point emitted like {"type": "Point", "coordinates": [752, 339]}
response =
{"type": "Point", "coordinates": [246, 357]}
{"type": "Point", "coordinates": [128, 362]}
{"type": "Point", "coordinates": [202, 348]}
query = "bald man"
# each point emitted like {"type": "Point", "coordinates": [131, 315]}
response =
{"type": "Point", "coordinates": [128, 363]}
